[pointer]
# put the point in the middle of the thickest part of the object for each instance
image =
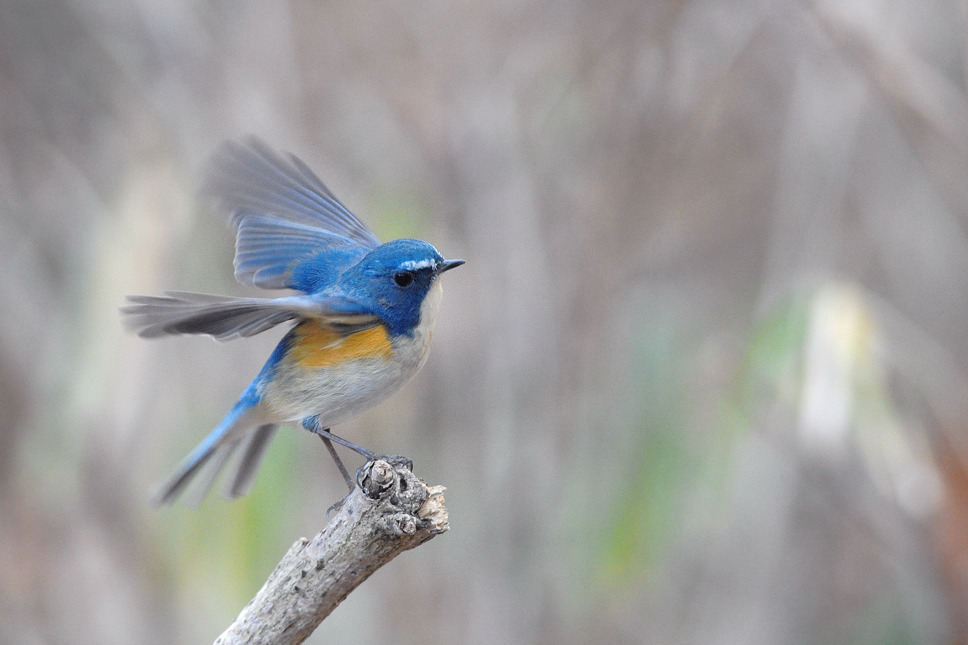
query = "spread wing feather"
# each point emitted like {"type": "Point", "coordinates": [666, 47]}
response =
{"type": "Point", "coordinates": [225, 317]}
{"type": "Point", "coordinates": [283, 213]}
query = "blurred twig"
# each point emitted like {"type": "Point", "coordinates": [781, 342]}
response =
{"type": "Point", "coordinates": [928, 106]}
{"type": "Point", "coordinates": [390, 512]}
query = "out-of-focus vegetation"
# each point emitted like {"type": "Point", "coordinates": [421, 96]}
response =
{"type": "Point", "coordinates": [703, 377]}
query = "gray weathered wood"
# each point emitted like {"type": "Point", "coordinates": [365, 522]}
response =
{"type": "Point", "coordinates": [389, 512]}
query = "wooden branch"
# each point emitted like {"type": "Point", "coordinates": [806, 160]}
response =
{"type": "Point", "coordinates": [389, 512]}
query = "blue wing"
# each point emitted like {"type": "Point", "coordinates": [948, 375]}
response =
{"type": "Point", "coordinates": [285, 218]}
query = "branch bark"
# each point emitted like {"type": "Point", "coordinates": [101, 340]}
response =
{"type": "Point", "coordinates": [389, 512]}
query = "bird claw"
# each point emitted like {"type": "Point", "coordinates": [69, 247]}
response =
{"type": "Point", "coordinates": [337, 505]}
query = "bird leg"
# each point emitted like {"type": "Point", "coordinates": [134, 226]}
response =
{"type": "Point", "coordinates": [339, 462]}
{"type": "Point", "coordinates": [312, 424]}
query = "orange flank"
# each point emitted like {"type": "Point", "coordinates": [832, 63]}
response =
{"type": "Point", "coordinates": [317, 346]}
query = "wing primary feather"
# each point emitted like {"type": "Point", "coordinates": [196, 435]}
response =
{"type": "Point", "coordinates": [268, 181]}
{"type": "Point", "coordinates": [249, 175]}
{"type": "Point", "coordinates": [284, 217]}
{"type": "Point", "coordinates": [224, 317]}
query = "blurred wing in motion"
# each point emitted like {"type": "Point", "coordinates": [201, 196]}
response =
{"type": "Point", "coordinates": [225, 317]}
{"type": "Point", "coordinates": [284, 216]}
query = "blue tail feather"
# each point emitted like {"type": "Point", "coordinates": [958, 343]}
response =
{"type": "Point", "coordinates": [239, 481]}
{"type": "Point", "coordinates": [220, 443]}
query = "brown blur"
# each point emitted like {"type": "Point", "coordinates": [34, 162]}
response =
{"type": "Point", "coordinates": [703, 379]}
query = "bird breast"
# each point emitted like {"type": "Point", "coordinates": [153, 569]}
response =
{"type": "Point", "coordinates": [337, 377]}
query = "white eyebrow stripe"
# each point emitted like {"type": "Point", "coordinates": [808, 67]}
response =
{"type": "Point", "coordinates": [416, 265]}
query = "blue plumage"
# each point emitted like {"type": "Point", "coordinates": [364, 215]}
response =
{"type": "Point", "coordinates": [292, 232]}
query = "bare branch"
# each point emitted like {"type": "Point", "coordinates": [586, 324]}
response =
{"type": "Point", "coordinates": [390, 511]}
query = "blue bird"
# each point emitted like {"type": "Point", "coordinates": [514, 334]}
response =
{"type": "Point", "coordinates": [363, 318]}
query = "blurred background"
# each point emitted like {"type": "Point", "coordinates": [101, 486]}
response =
{"type": "Point", "coordinates": [704, 378]}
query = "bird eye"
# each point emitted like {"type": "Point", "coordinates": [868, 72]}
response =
{"type": "Point", "coordinates": [403, 279]}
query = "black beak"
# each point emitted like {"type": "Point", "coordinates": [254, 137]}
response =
{"type": "Point", "coordinates": [447, 265]}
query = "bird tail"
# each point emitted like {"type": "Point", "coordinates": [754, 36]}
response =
{"type": "Point", "coordinates": [202, 466]}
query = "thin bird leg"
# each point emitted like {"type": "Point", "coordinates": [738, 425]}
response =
{"type": "Point", "coordinates": [312, 424]}
{"type": "Point", "coordinates": [369, 454]}
{"type": "Point", "coordinates": [339, 462]}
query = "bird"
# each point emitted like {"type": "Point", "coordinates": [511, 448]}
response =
{"type": "Point", "coordinates": [362, 313]}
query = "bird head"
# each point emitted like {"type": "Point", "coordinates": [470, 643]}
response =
{"type": "Point", "coordinates": [395, 279]}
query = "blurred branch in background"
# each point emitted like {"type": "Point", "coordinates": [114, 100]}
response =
{"type": "Point", "coordinates": [716, 256]}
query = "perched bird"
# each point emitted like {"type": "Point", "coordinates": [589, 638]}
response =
{"type": "Point", "coordinates": [364, 315]}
